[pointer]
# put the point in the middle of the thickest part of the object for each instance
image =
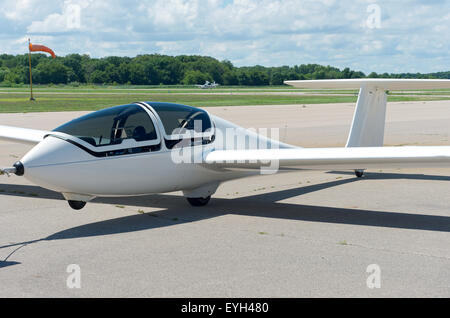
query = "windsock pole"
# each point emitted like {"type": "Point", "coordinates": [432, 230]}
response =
{"type": "Point", "coordinates": [31, 77]}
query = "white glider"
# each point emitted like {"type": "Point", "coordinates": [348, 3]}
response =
{"type": "Point", "coordinates": [149, 147]}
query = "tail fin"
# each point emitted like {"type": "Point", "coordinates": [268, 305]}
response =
{"type": "Point", "coordinates": [370, 115]}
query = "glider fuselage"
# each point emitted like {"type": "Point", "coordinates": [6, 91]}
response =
{"type": "Point", "coordinates": [73, 165]}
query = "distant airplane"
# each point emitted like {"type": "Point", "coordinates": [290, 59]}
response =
{"type": "Point", "coordinates": [149, 147]}
{"type": "Point", "coordinates": [208, 85]}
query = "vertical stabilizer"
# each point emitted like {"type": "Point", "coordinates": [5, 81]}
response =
{"type": "Point", "coordinates": [370, 117]}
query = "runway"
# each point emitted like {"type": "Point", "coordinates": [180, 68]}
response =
{"type": "Point", "coordinates": [300, 234]}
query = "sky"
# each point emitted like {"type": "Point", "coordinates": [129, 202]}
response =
{"type": "Point", "coordinates": [382, 36]}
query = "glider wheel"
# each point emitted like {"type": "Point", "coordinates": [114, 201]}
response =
{"type": "Point", "coordinates": [77, 205]}
{"type": "Point", "coordinates": [199, 201]}
{"type": "Point", "coordinates": [359, 173]}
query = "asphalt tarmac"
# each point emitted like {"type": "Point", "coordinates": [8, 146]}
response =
{"type": "Point", "coordinates": [300, 234]}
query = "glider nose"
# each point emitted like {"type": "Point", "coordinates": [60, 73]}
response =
{"type": "Point", "coordinates": [50, 151]}
{"type": "Point", "coordinates": [46, 163]}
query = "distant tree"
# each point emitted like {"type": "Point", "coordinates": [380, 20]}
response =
{"type": "Point", "coordinates": [346, 73]}
{"type": "Point", "coordinates": [47, 72]}
{"type": "Point", "coordinates": [230, 78]}
{"type": "Point", "coordinates": [18, 75]}
{"type": "Point", "coordinates": [112, 72]}
{"type": "Point", "coordinates": [137, 74]}
{"type": "Point", "coordinates": [10, 61]}
{"type": "Point", "coordinates": [13, 78]}
{"type": "Point", "coordinates": [192, 77]}
{"type": "Point", "coordinates": [99, 77]}
{"type": "Point", "coordinates": [124, 73]}
{"type": "Point", "coordinates": [74, 61]}
{"type": "Point", "coordinates": [228, 65]}
{"type": "Point", "coordinates": [319, 74]}
{"type": "Point", "coordinates": [358, 75]}
{"type": "Point", "coordinates": [258, 77]}
{"type": "Point", "coordinates": [155, 69]}
{"type": "Point", "coordinates": [3, 72]}
{"type": "Point", "coordinates": [243, 78]}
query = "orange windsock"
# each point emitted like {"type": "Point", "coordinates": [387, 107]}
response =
{"type": "Point", "coordinates": [41, 48]}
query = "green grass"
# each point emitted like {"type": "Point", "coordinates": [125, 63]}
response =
{"type": "Point", "coordinates": [443, 92]}
{"type": "Point", "coordinates": [175, 89]}
{"type": "Point", "coordinates": [17, 101]}
{"type": "Point", "coordinates": [11, 103]}
{"type": "Point", "coordinates": [143, 88]}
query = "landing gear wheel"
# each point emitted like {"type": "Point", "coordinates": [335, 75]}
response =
{"type": "Point", "coordinates": [77, 205]}
{"type": "Point", "coordinates": [359, 173]}
{"type": "Point", "coordinates": [199, 201]}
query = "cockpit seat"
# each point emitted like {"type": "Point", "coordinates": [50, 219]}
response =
{"type": "Point", "coordinates": [139, 133]}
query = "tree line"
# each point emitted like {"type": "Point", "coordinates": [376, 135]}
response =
{"type": "Point", "coordinates": [155, 69]}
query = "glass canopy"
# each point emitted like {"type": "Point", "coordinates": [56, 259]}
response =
{"type": "Point", "coordinates": [178, 119]}
{"type": "Point", "coordinates": [111, 126]}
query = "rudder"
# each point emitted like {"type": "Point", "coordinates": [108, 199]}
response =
{"type": "Point", "coordinates": [369, 120]}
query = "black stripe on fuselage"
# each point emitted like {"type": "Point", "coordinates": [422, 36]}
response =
{"type": "Point", "coordinates": [111, 153]}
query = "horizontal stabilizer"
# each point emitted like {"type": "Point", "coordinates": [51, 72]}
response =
{"type": "Point", "coordinates": [370, 114]}
{"type": "Point", "coordinates": [380, 83]}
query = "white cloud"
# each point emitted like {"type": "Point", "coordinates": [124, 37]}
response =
{"type": "Point", "coordinates": [69, 19]}
{"type": "Point", "coordinates": [16, 10]}
{"type": "Point", "coordinates": [414, 35]}
{"type": "Point", "coordinates": [173, 14]}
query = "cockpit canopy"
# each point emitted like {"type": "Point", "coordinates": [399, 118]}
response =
{"type": "Point", "coordinates": [137, 122]}
{"type": "Point", "coordinates": [177, 119]}
{"type": "Point", "coordinates": [111, 126]}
